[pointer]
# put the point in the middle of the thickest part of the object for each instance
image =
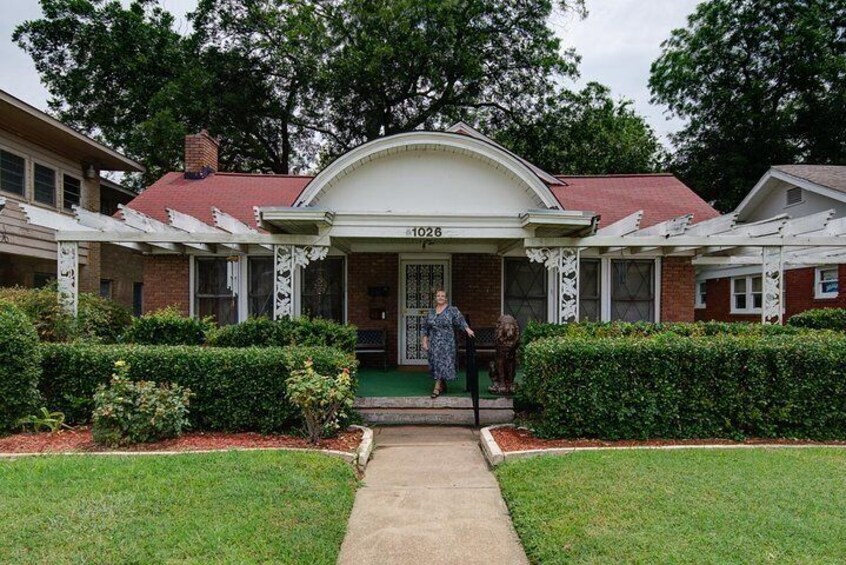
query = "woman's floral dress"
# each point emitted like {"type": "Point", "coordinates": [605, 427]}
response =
{"type": "Point", "coordinates": [440, 329]}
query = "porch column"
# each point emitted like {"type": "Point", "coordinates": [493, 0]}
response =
{"type": "Point", "coordinates": [565, 262]}
{"type": "Point", "coordinates": [286, 261]}
{"type": "Point", "coordinates": [68, 275]}
{"type": "Point", "coordinates": [772, 281]}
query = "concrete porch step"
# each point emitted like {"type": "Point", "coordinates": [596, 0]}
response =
{"type": "Point", "coordinates": [448, 410]}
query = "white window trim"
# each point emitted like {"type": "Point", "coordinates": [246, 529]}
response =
{"type": "Point", "coordinates": [60, 197]}
{"type": "Point", "coordinates": [750, 309]}
{"type": "Point", "coordinates": [698, 303]}
{"type": "Point", "coordinates": [818, 293]}
{"type": "Point", "coordinates": [27, 180]}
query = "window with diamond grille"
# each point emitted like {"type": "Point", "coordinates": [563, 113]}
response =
{"type": "Point", "coordinates": [323, 289]}
{"type": "Point", "coordinates": [525, 290]}
{"type": "Point", "coordinates": [633, 290]}
{"type": "Point", "coordinates": [589, 290]}
{"type": "Point", "coordinates": [212, 294]}
{"type": "Point", "coordinates": [260, 286]}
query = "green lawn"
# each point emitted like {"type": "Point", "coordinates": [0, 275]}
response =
{"type": "Point", "coordinates": [235, 507]}
{"type": "Point", "coordinates": [681, 506]}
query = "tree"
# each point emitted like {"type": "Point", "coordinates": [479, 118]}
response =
{"type": "Point", "coordinates": [583, 133]}
{"type": "Point", "coordinates": [760, 82]}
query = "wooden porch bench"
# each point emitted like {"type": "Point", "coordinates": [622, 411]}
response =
{"type": "Point", "coordinates": [373, 341]}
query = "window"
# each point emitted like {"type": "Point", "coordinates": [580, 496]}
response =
{"type": "Point", "coordinates": [40, 280]}
{"type": "Point", "coordinates": [323, 289]}
{"type": "Point", "coordinates": [589, 290]}
{"type": "Point", "coordinates": [44, 181]}
{"type": "Point", "coordinates": [11, 173]}
{"type": "Point", "coordinates": [633, 290]}
{"type": "Point", "coordinates": [525, 290]}
{"type": "Point", "coordinates": [701, 287]}
{"type": "Point", "coordinates": [260, 290]}
{"type": "Point", "coordinates": [71, 192]}
{"type": "Point", "coordinates": [746, 294]}
{"type": "Point", "coordinates": [825, 282]}
{"type": "Point", "coordinates": [793, 196]}
{"type": "Point", "coordinates": [105, 288]}
{"type": "Point", "coordinates": [215, 284]}
{"type": "Point", "coordinates": [137, 298]}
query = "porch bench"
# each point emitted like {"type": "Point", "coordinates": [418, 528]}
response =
{"type": "Point", "coordinates": [485, 343]}
{"type": "Point", "coordinates": [373, 341]}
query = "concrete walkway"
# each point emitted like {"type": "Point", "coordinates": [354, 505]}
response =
{"type": "Point", "coordinates": [428, 497]}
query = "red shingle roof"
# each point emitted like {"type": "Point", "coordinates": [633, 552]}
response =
{"type": "Point", "coordinates": [660, 196]}
{"type": "Point", "coordinates": [233, 193]}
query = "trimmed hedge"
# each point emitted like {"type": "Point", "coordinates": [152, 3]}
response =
{"type": "Point", "coordinates": [678, 387]}
{"type": "Point", "coordinates": [236, 389]}
{"type": "Point", "coordinates": [263, 332]}
{"type": "Point", "coordinates": [820, 319]}
{"type": "Point", "coordinates": [536, 330]}
{"type": "Point", "coordinates": [168, 326]}
{"type": "Point", "coordinates": [19, 369]}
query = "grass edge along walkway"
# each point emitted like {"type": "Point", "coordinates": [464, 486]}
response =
{"type": "Point", "coordinates": [266, 506]}
{"type": "Point", "coordinates": [685, 505]}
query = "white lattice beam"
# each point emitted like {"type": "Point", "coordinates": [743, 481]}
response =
{"type": "Point", "coordinates": [623, 226]}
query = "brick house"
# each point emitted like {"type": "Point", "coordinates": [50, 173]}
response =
{"type": "Point", "coordinates": [369, 238]}
{"type": "Point", "coordinates": [47, 167]}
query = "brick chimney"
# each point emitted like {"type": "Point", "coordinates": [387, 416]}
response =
{"type": "Point", "coordinates": [200, 155]}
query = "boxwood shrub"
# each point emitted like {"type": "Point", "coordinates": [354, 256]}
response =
{"type": "Point", "coordinates": [679, 387]}
{"type": "Point", "coordinates": [235, 389]}
{"type": "Point", "coordinates": [19, 366]}
{"type": "Point", "coordinates": [820, 319]}
{"type": "Point", "coordinates": [263, 332]}
{"type": "Point", "coordinates": [168, 326]}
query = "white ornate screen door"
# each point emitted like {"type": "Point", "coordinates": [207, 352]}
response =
{"type": "Point", "coordinates": [419, 281]}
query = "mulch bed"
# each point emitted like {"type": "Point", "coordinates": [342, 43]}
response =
{"type": "Point", "coordinates": [516, 439]}
{"type": "Point", "coordinates": [79, 440]}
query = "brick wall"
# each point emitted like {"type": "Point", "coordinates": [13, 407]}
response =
{"type": "Point", "coordinates": [166, 282]}
{"type": "Point", "coordinates": [374, 269]}
{"type": "Point", "coordinates": [200, 152]}
{"type": "Point", "coordinates": [124, 268]}
{"type": "Point", "coordinates": [798, 297]}
{"type": "Point", "coordinates": [477, 287]}
{"type": "Point", "coordinates": [678, 279]}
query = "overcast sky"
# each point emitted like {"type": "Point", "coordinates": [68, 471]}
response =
{"type": "Point", "coordinates": [617, 41]}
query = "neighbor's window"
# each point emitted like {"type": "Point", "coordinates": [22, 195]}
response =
{"type": "Point", "coordinates": [701, 287]}
{"type": "Point", "coordinates": [633, 290]}
{"type": "Point", "coordinates": [589, 289]}
{"type": "Point", "coordinates": [11, 173]}
{"type": "Point", "coordinates": [44, 181]}
{"type": "Point", "coordinates": [214, 292]}
{"type": "Point", "coordinates": [137, 298]}
{"type": "Point", "coordinates": [40, 280]}
{"type": "Point", "coordinates": [105, 288]}
{"type": "Point", "coordinates": [260, 287]}
{"type": "Point", "coordinates": [71, 191]}
{"type": "Point", "coordinates": [525, 290]}
{"type": "Point", "coordinates": [746, 294]}
{"type": "Point", "coordinates": [323, 289]}
{"type": "Point", "coordinates": [826, 285]}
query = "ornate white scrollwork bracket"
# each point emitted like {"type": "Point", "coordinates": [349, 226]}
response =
{"type": "Point", "coordinates": [772, 285]}
{"type": "Point", "coordinates": [68, 275]}
{"type": "Point", "coordinates": [286, 261]}
{"type": "Point", "coordinates": [565, 262]}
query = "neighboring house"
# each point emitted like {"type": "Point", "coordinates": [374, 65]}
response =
{"type": "Point", "coordinates": [734, 293]}
{"type": "Point", "coordinates": [50, 167]}
{"type": "Point", "coordinates": [371, 237]}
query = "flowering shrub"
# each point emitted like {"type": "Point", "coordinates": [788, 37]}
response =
{"type": "Point", "coordinates": [127, 412]}
{"type": "Point", "coordinates": [320, 398]}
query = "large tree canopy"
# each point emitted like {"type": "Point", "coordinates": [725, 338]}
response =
{"type": "Point", "coordinates": [760, 82]}
{"type": "Point", "coordinates": [290, 83]}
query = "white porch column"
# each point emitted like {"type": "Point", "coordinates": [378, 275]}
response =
{"type": "Point", "coordinates": [772, 285]}
{"type": "Point", "coordinates": [565, 262]}
{"type": "Point", "coordinates": [68, 275]}
{"type": "Point", "coordinates": [286, 261]}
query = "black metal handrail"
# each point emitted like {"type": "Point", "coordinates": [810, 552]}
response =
{"type": "Point", "coordinates": [473, 377]}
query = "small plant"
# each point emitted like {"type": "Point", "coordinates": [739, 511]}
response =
{"type": "Point", "coordinates": [48, 421]}
{"type": "Point", "coordinates": [320, 398]}
{"type": "Point", "coordinates": [127, 412]}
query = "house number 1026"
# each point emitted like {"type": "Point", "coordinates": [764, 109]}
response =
{"type": "Point", "coordinates": [426, 232]}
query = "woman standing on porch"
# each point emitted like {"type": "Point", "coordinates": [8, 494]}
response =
{"type": "Point", "coordinates": [439, 340]}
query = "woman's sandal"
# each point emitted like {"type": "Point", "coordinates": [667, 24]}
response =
{"type": "Point", "coordinates": [435, 393]}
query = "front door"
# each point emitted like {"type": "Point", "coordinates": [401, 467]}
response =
{"type": "Point", "coordinates": [419, 281]}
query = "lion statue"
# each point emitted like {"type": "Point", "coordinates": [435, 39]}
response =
{"type": "Point", "coordinates": [504, 365]}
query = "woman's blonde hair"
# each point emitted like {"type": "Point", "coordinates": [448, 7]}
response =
{"type": "Point", "coordinates": [440, 289]}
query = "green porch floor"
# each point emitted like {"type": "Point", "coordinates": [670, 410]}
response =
{"type": "Point", "coordinates": [375, 382]}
